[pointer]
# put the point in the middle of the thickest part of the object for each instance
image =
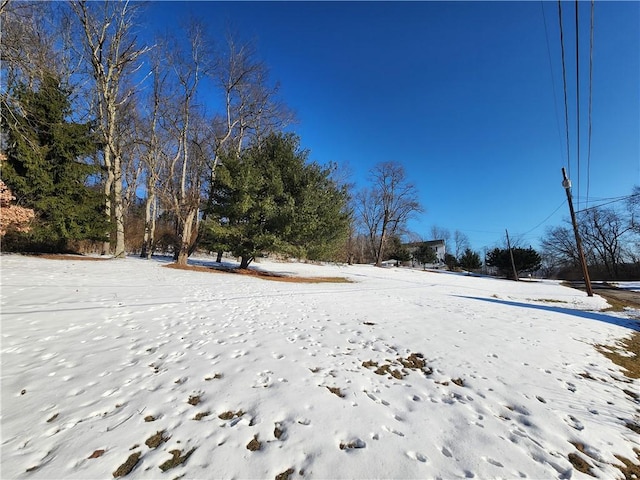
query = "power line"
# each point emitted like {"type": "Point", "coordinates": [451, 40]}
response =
{"type": "Point", "coordinates": [545, 220]}
{"type": "Point", "coordinates": [619, 199]}
{"type": "Point", "coordinates": [553, 83]}
{"type": "Point", "coordinates": [564, 81]}
{"type": "Point", "coordinates": [590, 101]}
{"type": "Point", "coordinates": [578, 94]}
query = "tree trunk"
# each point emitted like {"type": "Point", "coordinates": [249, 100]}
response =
{"type": "Point", "coordinates": [380, 251]}
{"type": "Point", "coordinates": [118, 209]}
{"type": "Point", "coordinates": [185, 238]}
{"type": "Point", "coordinates": [245, 261]}
{"type": "Point", "coordinates": [149, 222]}
{"type": "Point", "coordinates": [106, 245]}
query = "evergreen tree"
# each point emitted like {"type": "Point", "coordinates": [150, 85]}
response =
{"type": "Point", "coordinates": [45, 170]}
{"type": "Point", "coordinates": [470, 260]}
{"type": "Point", "coordinates": [395, 250]}
{"type": "Point", "coordinates": [450, 261]}
{"type": "Point", "coordinates": [526, 260]}
{"type": "Point", "coordinates": [425, 254]}
{"type": "Point", "coordinates": [270, 200]}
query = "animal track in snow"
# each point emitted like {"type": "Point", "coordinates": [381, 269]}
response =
{"type": "Point", "coordinates": [493, 462]}
{"type": "Point", "coordinates": [417, 456]}
{"type": "Point", "coordinates": [393, 430]}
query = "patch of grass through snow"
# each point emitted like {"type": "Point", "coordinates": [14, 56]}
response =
{"type": "Point", "coordinates": [626, 354]}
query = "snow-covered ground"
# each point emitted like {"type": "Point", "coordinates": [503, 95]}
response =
{"type": "Point", "coordinates": [632, 286]}
{"type": "Point", "coordinates": [317, 380]}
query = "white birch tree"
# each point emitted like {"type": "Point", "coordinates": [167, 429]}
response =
{"type": "Point", "coordinates": [110, 47]}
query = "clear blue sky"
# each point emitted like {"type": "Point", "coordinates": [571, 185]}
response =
{"type": "Point", "coordinates": [467, 96]}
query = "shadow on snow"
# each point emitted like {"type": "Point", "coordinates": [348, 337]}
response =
{"type": "Point", "coordinates": [598, 316]}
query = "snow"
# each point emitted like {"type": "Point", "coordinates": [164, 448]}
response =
{"type": "Point", "coordinates": [632, 286]}
{"type": "Point", "coordinates": [90, 349]}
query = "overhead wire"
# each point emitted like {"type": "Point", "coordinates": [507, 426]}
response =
{"type": "Point", "coordinates": [615, 200]}
{"type": "Point", "coordinates": [578, 96]}
{"type": "Point", "coordinates": [545, 220]}
{"type": "Point", "coordinates": [553, 83]}
{"type": "Point", "coordinates": [590, 102]}
{"type": "Point", "coordinates": [564, 82]}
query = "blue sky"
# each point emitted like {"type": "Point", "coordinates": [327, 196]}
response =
{"type": "Point", "coordinates": [467, 96]}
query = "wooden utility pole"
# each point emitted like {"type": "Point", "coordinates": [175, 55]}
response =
{"type": "Point", "coordinates": [513, 264]}
{"type": "Point", "coordinates": [566, 183]}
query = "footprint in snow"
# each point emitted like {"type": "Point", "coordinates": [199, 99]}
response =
{"type": "Point", "coordinates": [417, 456]}
{"type": "Point", "coordinates": [392, 430]}
{"type": "Point", "coordinates": [574, 423]}
{"type": "Point", "coordinates": [493, 462]}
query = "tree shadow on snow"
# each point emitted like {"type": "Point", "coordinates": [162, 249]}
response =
{"type": "Point", "coordinates": [598, 316]}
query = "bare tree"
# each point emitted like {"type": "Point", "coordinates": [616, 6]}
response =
{"type": "Point", "coordinates": [111, 49]}
{"type": "Point", "coordinates": [186, 126]}
{"type": "Point", "coordinates": [606, 235]}
{"type": "Point", "coordinates": [604, 232]}
{"type": "Point", "coordinates": [34, 41]}
{"type": "Point", "coordinates": [27, 41]}
{"type": "Point", "coordinates": [438, 233]}
{"type": "Point", "coordinates": [385, 208]}
{"type": "Point", "coordinates": [251, 108]}
{"type": "Point", "coordinates": [460, 242]}
{"type": "Point", "coordinates": [559, 246]}
{"type": "Point", "coordinates": [153, 157]}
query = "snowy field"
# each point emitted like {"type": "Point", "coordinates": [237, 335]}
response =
{"type": "Point", "coordinates": [397, 374]}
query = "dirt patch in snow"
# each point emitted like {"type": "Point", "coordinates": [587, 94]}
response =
{"type": "Point", "coordinates": [626, 354]}
{"type": "Point", "coordinates": [415, 361]}
{"type": "Point", "coordinates": [69, 256]}
{"type": "Point", "coordinates": [177, 459]}
{"type": "Point", "coordinates": [259, 274]}
{"type": "Point", "coordinates": [129, 464]}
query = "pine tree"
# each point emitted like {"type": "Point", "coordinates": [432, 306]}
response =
{"type": "Point", "coordinates": [470, 260]}
{"type": "Point", "coordinates": [526, 260]}
{"type": "Point", "coordinates": [425, 254]}
{"type": "Point", "coordinates": [45, 167]}
{"type": "Point", "coordinates": [271, 200]}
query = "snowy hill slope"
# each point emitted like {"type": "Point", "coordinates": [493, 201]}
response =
{"type": "Point", "coordinates": [398, 374]}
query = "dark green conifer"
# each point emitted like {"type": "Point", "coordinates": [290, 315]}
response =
{"type": "Point", "coordinates": [47, 168]}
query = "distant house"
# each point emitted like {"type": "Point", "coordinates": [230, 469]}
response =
{"type": "Point", "coordinates": [437, 245]}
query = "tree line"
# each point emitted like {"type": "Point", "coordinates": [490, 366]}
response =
{"type": "Point", "coordinates": [179, 141]}
{"type": "Point", "coordinates": [173, 142]}
{"type": "Point", "coordinates": [610, 235]}
{"type": "Point", "coordinates": [120, 145]}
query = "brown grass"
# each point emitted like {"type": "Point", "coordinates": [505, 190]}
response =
{"type": "Point", "coordinates": [228, 415]}
{"type": "Point", "coordinates": [415, 361]}
{"type": "Point", "coordinates": [626, 354]}
{"type": "Point", "coordinates": [154, 441]}
{"type": "Point", "coordinates": [129, 464]}
{"type": "Point", "coordinates": [176, 459]}
{"type": "Point", "coordinates": [276, 277]}
{"type": "Point", "coordinates": [631, 469]}
{"type": "Point", "coordinates": [580, 464]}
{"type": "Point", "coordinates": [69, 256]}
{"type": "Point", "coordinates": [336, 391]}
{"type": "Point", "coordinates": [615, 305]}
{"type": "Point", "coordinates": [286, 474]}
{"type": "Point", "coordinates": [254, 445]}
